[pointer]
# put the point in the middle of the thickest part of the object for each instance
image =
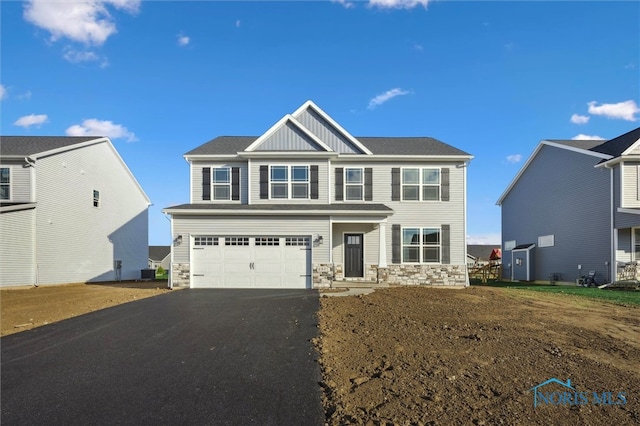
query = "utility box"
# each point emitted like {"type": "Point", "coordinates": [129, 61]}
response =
{"type": "Point", "coordinates": [148, 274]}
{"type": "Point", "coordinates": [523, 262]}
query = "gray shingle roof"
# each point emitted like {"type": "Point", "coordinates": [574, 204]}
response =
{"type": "Point", "coordinates": [616, 146]}
{"type": "Point", "coordinates": [279, 207]}
{"type": "Point", "coordinates": [230, 145]}
{"type": "Point", "coordinates": [481, 251]}
{"type": "Point", "coordinates": [583, 144]}
{"type": "Point", "coordinates": [30, 145]}
{"type": "Point", "coordinates": [159, 252]}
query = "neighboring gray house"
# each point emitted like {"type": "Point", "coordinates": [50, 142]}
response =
{"type": "Point", "coordinates": [574, 207]}
{"type": "Point", "coordinates": [307, 203]}
{"type": "Point", "coordinates": [70, 211]}
{"type": "Point", "coordinates": [160, 256]}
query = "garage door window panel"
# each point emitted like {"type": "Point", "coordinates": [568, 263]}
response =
{"type": "Point", "coordinates": [267, 241]}
{"type": "Point", "coordinates": [236, 241]}
{"type": "Point", "coordinates": [205, 241]}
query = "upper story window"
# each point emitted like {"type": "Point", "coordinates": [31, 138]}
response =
{"type": "Point", "coordinates": [421, 245]}
{"type": "Point", "coordinates": [420, 184]}
{"type": "Point", "coordinates": [5, 183]}
{"type": "Point", "coordinates": [96, 198]}
{"type": "Point", "coordinates": [354, 184]}
{"type": "Point", "coordinates": [221, 180]}
{"type": "Point", "coordinates": [287, 182]}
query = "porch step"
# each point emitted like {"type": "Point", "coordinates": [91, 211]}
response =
{"type": "Point", "coordinates": [358, 284]}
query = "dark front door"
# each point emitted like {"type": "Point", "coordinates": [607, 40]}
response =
{"type": "Point", "coordinates": [353, 259]}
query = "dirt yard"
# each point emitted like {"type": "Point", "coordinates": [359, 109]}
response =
{"type": "Point", "coordinates": [425, 356]}
{"type": "Point", "coordinates": [25, 308]}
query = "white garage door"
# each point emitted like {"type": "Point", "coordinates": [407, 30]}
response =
{"type": "Point", "coordinates": [251, 262]}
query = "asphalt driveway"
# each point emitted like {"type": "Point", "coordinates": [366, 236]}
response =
{"type": "Point", "coordinates": [189, 357]}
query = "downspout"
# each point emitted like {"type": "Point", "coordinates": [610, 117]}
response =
{"type": "Point", "coordinates": [170, 278]}
{"type": "Point", "coordinates": [34, 229]}
{"type": "Point", "coordinates": [613, 265]}
{"type": "Point", "coordinates": [464, 221]}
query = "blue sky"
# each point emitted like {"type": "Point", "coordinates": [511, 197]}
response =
{"type": "Point", "coordinates": [162, 77]}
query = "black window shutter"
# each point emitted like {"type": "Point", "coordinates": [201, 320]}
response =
{"type": "Point", "coordinates": [396, 244]}
{"type": "Point", "coordinates": [444, 184]}
{"type": "Point", "coordinates": [314, 182]}
{"type": "Point", "coordinates": [395, 184]}
{"type": "Point", "coordinates": [368, 184]}
{"type": "Point", "coordinates": [339, 177]}
{"type": "Point", "coordinates": [264, 182]}
{"type": "Point", "coordinates": [445, 244]}
{"type": "Point", "coordinates": [206, 183]}
{"type": "Point", "coordinates": [235, 183]}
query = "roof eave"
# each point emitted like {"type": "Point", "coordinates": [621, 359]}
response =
{"type": "Point", "coordinates": [239, 212]}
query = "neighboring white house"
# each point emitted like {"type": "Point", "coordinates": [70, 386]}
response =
{"type": "Point", "coordinates": [160, 256]}
{"type": "Point", "coordinates": [70, 211]}
{"type": "Point", "coordinates": [307, 203]}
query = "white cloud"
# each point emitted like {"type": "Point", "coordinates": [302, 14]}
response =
{"type": "Point", "coordinates": [183, 40]}
{"type": "Point", "coordinates": [484, 239]}
{"type": "Point", "coordinates": [95, 127]}
{"type": "Point", "coordinates": [3, 92]}
{"type": "Point", "coordinates": [626, 110]}
{"type": "Point", "coordinates": [31, 120]}
{"type": "Point", "coordinates": [346, 4]}
{"type": "Point", "coordinates": [398, 4]}
{"type": "Point", "coordinates": [384, 97]}
{"type": "Point", "coordinates": [514, 158]}
{"type": "Point", "coordinates": [87, 22]}
{"type": "Point", "coordinates": [583, 137]}
{"type": "Point", "coordinates": [238, 23]}
{"type": "Point", "coordinates": [579, 119]}
{"type": "Point", "coordinates": [418, 47]}
{"type": "Point", "coordinates": [25, 96]}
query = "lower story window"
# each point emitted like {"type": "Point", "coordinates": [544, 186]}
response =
{"type": "Point", "coordinates": [421, 245]}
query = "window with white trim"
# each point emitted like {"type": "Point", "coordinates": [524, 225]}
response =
{"type": "Point", "coordinates": [267, 241]}
{"type": "Point", "coordinates": [353, 184]}
{"type": "Point", "coordinates": [221, 182]}
{"type": "Point", "coordinates": [289, 182]}
{"type": "Point", "coordinates": [96, 198]}
{"type": "Point", "coordinates": [421, 245]}
{"type": "Point", "coordinates": [420, 184]}
{"type": "Point", "coordinates": [236, 241]}
{"type": "Point", "coordinates": [5, 183]}
{"type": "Point", "coordinates": [205, 241]}
{"type": "Point", "coordinates": [509, 245]}
{"type": "Point", "coordinates": [546, 241]}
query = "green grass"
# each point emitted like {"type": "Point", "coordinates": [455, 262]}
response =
{"type": "Point", "coordinates": [164, 276]}
{"type": "Point", "coordinates": [627, 298]}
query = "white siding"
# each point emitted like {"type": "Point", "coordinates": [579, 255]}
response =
{"type": "Point", "coordinates": [77, 242]}
{"type": "Point", "coordinates": [20, 182]}
{"type": "Point", "coordinates": [196, 180]}
{"type": "Point", "coordinates": [17, 248]}
{"type": "Point", "coordinates": [419, 213]}
{"type": "Point", "coordinates": [251, 226]}
{"type": "Point", "coordinates": [631, 189]}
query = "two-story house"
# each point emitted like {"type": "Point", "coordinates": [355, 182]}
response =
{"type": "Point", "coordinates": [574, 207]}
{"type": "Point", "coordinates": [70, 211]}
{"type": "Point", "coordinates": [307, 203]}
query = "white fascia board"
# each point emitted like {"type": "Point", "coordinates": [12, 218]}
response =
{"type": "Point", "coordinates": [632, 147]}
{"type": "Point", "coordinates": [324, 115]}
{"type": "Point", "coordinates": [618, 160]}
{"type": "Point", "coordinates": [533, 156]}
{"type": "Point", "coordinates": [423, 158]}
{"type": "Point", "coordinates": [231, 212]}
{"type": "Point", "coordinates": [284, 120]}
{"type": "Point", "coordinates": [17, 207]}
{"type": "Point", "coordinates": [209, 157]}
{"type": "Point", "coordinates": [287, 154]}
{"type": "Point", "coordinates": [630, 211]}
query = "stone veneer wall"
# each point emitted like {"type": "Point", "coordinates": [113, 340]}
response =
{"type": "Point", "coordinates": [323, 274]}
{"type": "Point", "coordinates": [424, 274]}
{"type": "Point", "coordinates": [180, 274]}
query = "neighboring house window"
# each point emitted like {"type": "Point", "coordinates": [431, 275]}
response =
{"type": "Point", "coordinates": [636, 244]}
{"type": "Point", "coordinates": [221, 180]}
{"type": "Point", "coordinates": [420, 184]}
{"type": "Point", "coordinates": [546, 241]}
{"type": "Point", "coordinates": [509, 245]}
{"type": "Point", "coordinates": [354, 184]}
{"type": "Point", "coordinates": [5, 183]}
{"type": "Point", "coordinates": [421, 245]}
{"type": "Point", "coordinates": [96, 198]}
{"type": "Point", "coordinates": [289, 182]}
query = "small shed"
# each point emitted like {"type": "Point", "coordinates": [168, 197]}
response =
{"type": "Point", "coordinates": [523, 262]}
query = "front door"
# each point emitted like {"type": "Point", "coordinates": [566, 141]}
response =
{"type": "Point", "coordinates": [353, 258]}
